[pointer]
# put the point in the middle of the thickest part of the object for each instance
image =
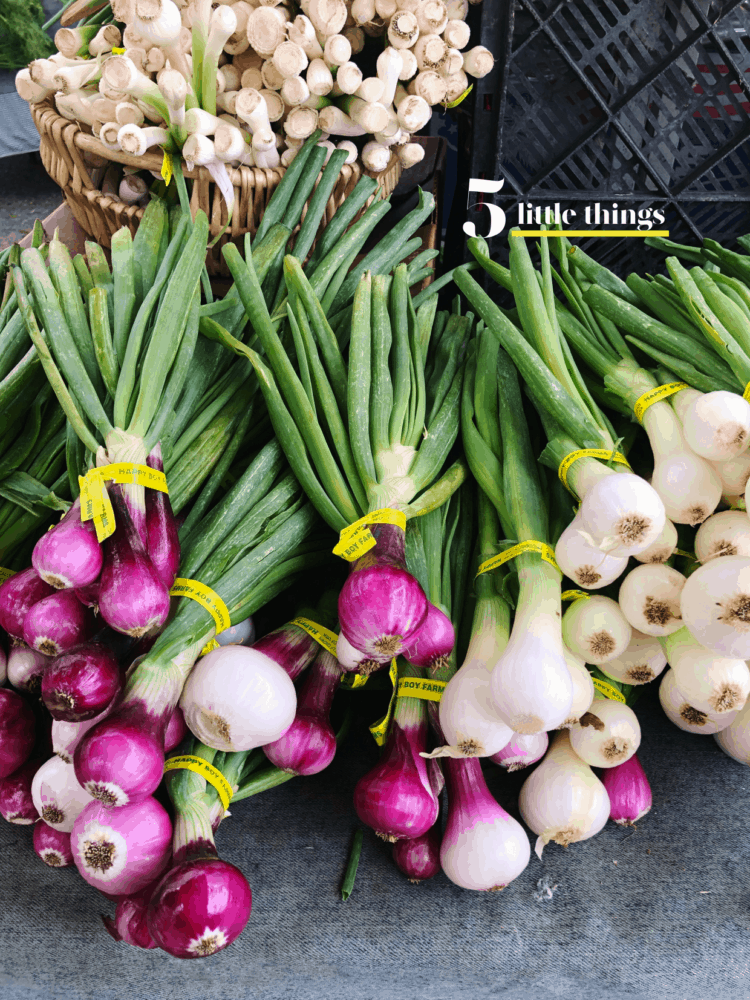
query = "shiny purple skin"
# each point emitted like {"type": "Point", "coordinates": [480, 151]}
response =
{"type": "Point", "coordinates": [419, 858]}
{"type": "Point", "coordinates": [57, 623]}
{"type": "Point", "coordinates": [162, 543]}
{"type": "Point", "coordinates": [52, 846]}
{"type": "Point", "coordinates": [17, 731]}
{"type": "Point", "coordinates": [80, 684]}
{"type": "Point", "coordinates": [176, 730]}
{"type": "Point", "coordinates": [89, 595]}
{"type": "Point", "coordinates": [289, 646]}
{"type": "Point", "coordinates": [16, 804]}
{"type": "Point", "coordinates": [433, 643]}
{"type": "Point", "coordinates": [381, 605]}
{"type": "Point", "coordinates": [69, 555]}
{"type": "Point", "coordinates": [629, 791]}
{"type": "Point", "coordinates": [309, 745]}
{"type": "Point", "coordinates": [199, 908]}
{"type": "Point", "coordinates": [121, 851]}
{"type": "Point", "coordinates": [392, 797]}
{"type": "Point", "coordinates": [129, 924]}
{"type": "Point", "coordinates": [132, 597]}
{"type": "Point", "coordinates": [121, 760]}
{"type": "Point", "coordinates": [18, 594]}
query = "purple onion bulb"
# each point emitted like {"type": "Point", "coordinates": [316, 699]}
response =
{"type": "Point", "coordinates": [16, 803]}
{"type": "Point", "coordinates": [130, 924]}
{"type": "Point", "coordinates": [162, 542]}
{"type": "Point", "coordinates": [56, 623]}
{"type": "Point", "coordinates": [18, 594]}
{"type": "Point", "coordinates": [289, 646]}
{"type": "Point", "coordinates": [176, 730]}
{"type": "Point", "coordinates": [17, 731]}
{"type": "Point", "coordinates": [82, 683]}
{"type": "Point", "coordinates": [52, 846]}
{"type": "Point", "coordinates": [629, 791]}
{"type": "Point", "coordinates": [433, 643]}
{"type": "Point", "coordinates": [69, 555]}
{"type": "Point", "coordinates": [419, 859]}
{"type": "Point", "coordinates": [199, 907]}
{"type": "Point", "coordinates": [120, 760]}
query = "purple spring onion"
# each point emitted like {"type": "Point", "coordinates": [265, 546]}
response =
{"type": "Point", "coordinates": [163, 545]}
{"type": "Point", "coordinates": [58, 798]}
{"type": "Point", "coordinates": [129, 924]}
{"type": "Point", "coordinates": [522, 751]}
{"type": "Point", "coordinates": [17, 731]}
{"type": "Point", "coordinates": [419, 859]}
{"type": "Point", "coordinates": [17, 595]}
{"type": "Point", "coordinates": [289, 646]}
{"type": "Point", "coordinates": [433, 643]}
{"type": "Point", "coordinates": [176, 730]}
{"type": "Point", "coordinates": [69, 555]}
{"type": "Point", "coordinates": [381, 605]}
{"type": "Point", "coordinates": [16, 803]}
{"type": "Point", "coordinates": [67, 735]}
{"type": "Point", "coordinates": [57, 623]}
{"type": "Point", "coordinates": [82, 683]}
{"type": "Point", "coordinates": [132, 597]}
{"type": "Point", "coordinates": [309, 745]}
{"type": "Point", "coordinates": [396, 797]}
{"type": "Point", "coordinates": [629, 792]}
{"type": "Point", "coordinates": [26, 667]}
{"type": "Point", "coordinates": [89, 595]}
{"type": "Point", "coordinates": [121, 850]}
{"type": "Point", "coordinates": [483, 847]}
{"type": "Point", "coordinates": [52, 846]}
{"type": "Point", "coordinates": [237, 698]}
{"type": "Point", "coordinates": [3, 664]}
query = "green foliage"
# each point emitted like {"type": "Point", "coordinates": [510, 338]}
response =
{"type": "Point", "coordinates": [21, 36]}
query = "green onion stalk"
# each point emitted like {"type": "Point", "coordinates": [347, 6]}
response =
{"type": "Point", "coordinates": [620, 512]}
{"type": "Point", "coordinates": [365, 432]}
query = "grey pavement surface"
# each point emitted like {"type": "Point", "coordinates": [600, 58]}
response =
{"type": "Point", "coordinates": [26, 193]}
{"type": "Point", "coordinates": [657, 913]}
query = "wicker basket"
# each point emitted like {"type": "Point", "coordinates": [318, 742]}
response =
{"type": "Point", "coordinates": [70, 152]}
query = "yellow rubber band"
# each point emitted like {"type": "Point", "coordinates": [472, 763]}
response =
{"type": "Point", "coordinates": [117, 51]}
{"type": "Point", "coordinates": [460, 98]}
{"type": "Point", "coordinates": [608, 691]}
{"type": "Point", "coordinates": [199, 766]}
{"type": "Point", "coordinates": [420, 687]}
{"type": "Point", "coordinates": [167, 168]}
{"type": "Point", "coordinates": [323, 636]}
{"type": "Point", "coordinates": [357, 539]}
{"type": "Point", "coordinates": [210, 646]}
{"type": "Point", "coordinates": [746, 393]}
{"type": "Point", "coordinates": [575, 595]}
{"type": "Point", "coordinates": [95, 502]}
{"type": "Point", "coordinates": [603, 453]}
{"type": "Point", "coordinates": [6, 574]}
{"type": "Point", "coordinates": [656, 396]}
{"type": "Point", "coordinates": [379, 729]}
{"type": "Point", "coordinates": [541, 548]}
{"type": "Point", "coordinates": [207, 598]}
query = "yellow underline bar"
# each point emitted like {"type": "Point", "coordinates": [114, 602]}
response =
{"type": "Point", "coordinates": [590, 232]}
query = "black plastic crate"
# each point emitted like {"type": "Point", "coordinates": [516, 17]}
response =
{"type": "Point", "coordinates": [638, 103]}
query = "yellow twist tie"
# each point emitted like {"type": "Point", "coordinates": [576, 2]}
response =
{"type": "Point", "coordinates": [420, 687]}
{"type": "Point", "coordinates": [541, 548]}
{"type": "Point", "coordinates": [357, 539]}
{"type": "Point", "coordinates": [200, 766]}
{"type": "Point", "coordinates": [656, 396]}
{"type": "Point", "coordinates": [603, 453]}
{"type": "Point", "coordinates": [95, 502]}
{"type": "Point", "coordinates": [608, 691]}
{"type": "Point", "coordinates": [207, 598]}
{"type": "Point", "coordinates": [575, 595]}
{"type": "Point", "coordinates": [379, 729]}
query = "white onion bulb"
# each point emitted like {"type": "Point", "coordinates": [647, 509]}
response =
{"type": "Point", "coordinates": [622, 513]}
{"type": "Point", "coordinates": [715, 606]}
{"type": "Point", "coordinates": [468, 716]}
{"type": "Point", "coordinates": [237, 698]}
{"type": "Point", "coordinates": [563, 800]}
{"type": "Point", "coordinates": [660, 550]}
{"type": "Point", "coordinates": [57, 796]}
{"type": "Point", "coordinates": [583, 688]}
{"type": "Point", "coordinates": [650, 599]}
{"type": "Point", "coordinates": [734, 474]}
{"type": "Point", "coordinates": [711, 683]}
{"type": "Point", "coordinates": [723, 534]}
{"type": "Point", "coordinates": [582, 562]}
{"type": "Point", "coordinates": [641, 662]}
{"type": "Point", "coordinates": [735, 739]}
{"type": "Point", "coordinates": [717, 425]}
{"type": "Point", "coordinates": [595, 629]}
{"type": "Point", "coordinates": [607, 735]}
{"type": "Point", "coordinates": [688, 486]}
{"type": "Point", "coordinates": [685, 716]}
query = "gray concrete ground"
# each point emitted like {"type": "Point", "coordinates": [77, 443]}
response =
{"type": "Point", "coordinates": [26, 193]}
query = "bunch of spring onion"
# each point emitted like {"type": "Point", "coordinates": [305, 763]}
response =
{"type": "Point", "coordinates": [211, 84]}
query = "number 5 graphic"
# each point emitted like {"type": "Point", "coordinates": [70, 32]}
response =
{"type": "Point", "coordinates": [497, 215]}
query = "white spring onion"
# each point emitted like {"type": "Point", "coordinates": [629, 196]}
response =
{"type": "Point", "coordinates": [290, 59]}
{"type": "Point", "coordinates": [42, 71]}
{"type": "Point", "coordinates": [385, 9]}
{"type": "Point", "coordinates": [105, 110]}
{"type": "Point", "coordinates": [133, 189]}
{"type": "Point", "coordinates": [74, 42]}
{"type": "Point", "coordinates": [457, 34]}
{"type": "Point", "coordinates": [458, 84]}
{"type": "Point", "coordinates": [337, 50]}
{"type": "Point", "coordinates": [265, 31]}
{"type": "Point", "coordinates": [371, 90]}
{"type": "Point", "coordinates": [328, 16]}
{"type": "Point", "coordinates": [389, 66]}
{"type": "Point", "coordinates": [715, 606]}
{"type": "Point", "coordinates": [127, 113]}
{"type": "Point", "coordinates": [403, 30]}
{"type": "Point", "coordinates": [478, 62]}
{"type": "Point", "coordinates": [198, 150]}
{"type": "Point", "coordinates": [723, 534]}
{"type": "Point", "coordinates": [272, 79]}
{"type": "Point", "coordinates": [350, 148]}
{"type": "Point", "coordinates": [69, 79]}
{"type": "Point", "coordinates": [159, 22]}
{"type": "Point", "coordinates": [607, 735]}
{"type": "Point", "coordinates": [252, 78]}
{"type": "Point", "coordinates": [57, 796]}
{"type": "Point", "coordinates": [735, 739]}
{"type": "Point", "coordinates": [250, 106]}
{"type": "Point", "coordinates": [375, 157]}
{"type": "Point", "coordinates": [410, 154]}
{"type": "Point", "coordinates": [363, 11]}
{"type": "Point", "coordinates": [432, 17]}
{"type": "Point", "coordinates": [409, 66]}
{"type": "Point", "coordinates": [227, 102]}
{"type": "Point", "coordinates": [563, 801]}
{"type": "Point", "coordinates": [237, 698]}
{"type": "Point", "coordinates": [430, 86]}
{"type": "Point", "coordinates": [413, 113]}
{"type": "Point", "coordinates": [136, 140]}
{"type": "Point", "coordinates": [580, 561]}
{"type": "Point", "coordinates": [319, 78]}
{"type": "Point", "coordinates": [595, 629]}
{"type": "Point", "coordinates": [29, 91]}
{"type": "Point", "coordinates": [349, 78]}
{"type": "Point", "coordinates": [199, 121]}
{"type": "Point", "coordinates": [734, 474]}
{"type": "Point", "coordinates": [711, 683]}
{"type": "Point", "coordinates": [622, 513]}
{"type": "Point", "coordinates": [275, 107]}
{"type": "Point", "coordinates": [294, 91]}
{"type": "Point", "coordinates": [301, 122]}
{"type": "Point", "coordinates": [716, 424]}
{"type": "Point", "coordinates": [650, 599]}
{"type": "Point", "coordinates": [264, 149]}
{"type": "Point", "coordinates": [641, 662]}
{"type": "Point", "coordinates": [583, 688]}
{"type": "Point", "coordinates": [454, 64]}
{"type": "Point", "coordinates": [684, 715]}
{"type": "Point", "coordinates": [431, 52]}
{"type": "Point", "coordinates": [457, 10]}
{"type": "Point", "coordinates": [661, 549]}
{"type": "Point", "coordinates": [302, 33]}
{"type": "Point", "coordinates": [107, 134]}
{"type": "Point", "coordinates": [229, 143]}
{"type": "Point", "coordinates": [372, 117]}
{"type": "Point", "coordinates": [288, 156]}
